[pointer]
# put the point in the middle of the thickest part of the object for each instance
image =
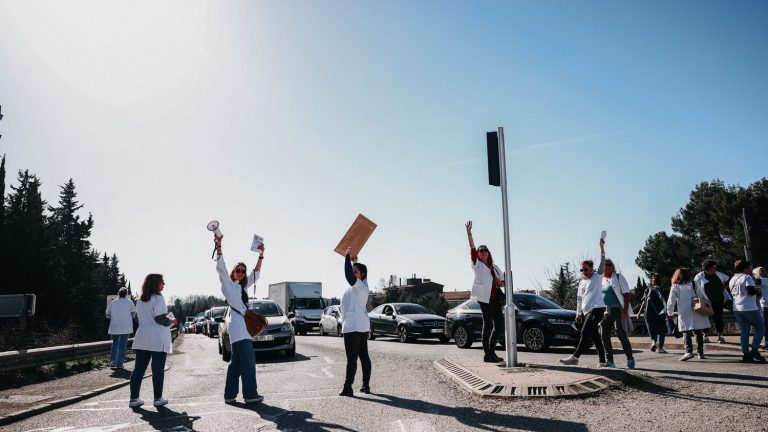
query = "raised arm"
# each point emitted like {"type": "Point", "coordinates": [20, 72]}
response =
{"type": "Point", "coordinates": [221, 267]}
{"type": "Point", "coordinates": [601, 267]}
{"type": "Point", "coordinates": [256, 273]}
{"type": "Point", "coordinates": [351, 279]}
{"type": "Point", "coordinates": [469, 234]}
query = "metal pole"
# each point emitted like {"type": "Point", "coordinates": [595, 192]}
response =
{"type": "Point", "coordinates": [747, 246]}
{"type": "Point", "coordinates": [510, 318]}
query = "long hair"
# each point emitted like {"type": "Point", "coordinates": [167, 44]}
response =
{"type": "Point", "coordinates": [150, 286]}
{"type": "Point", "coordinates": [489, 263]}
{"type": "Point", "coordinates": [681, 276]}
{"type": "Point", "coordinates": [362, 269]}
{"type": "Point", "coordinates": [244, 281]}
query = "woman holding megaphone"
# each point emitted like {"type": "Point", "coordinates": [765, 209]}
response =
{"type": "Point", "coordinates": [242, 365]}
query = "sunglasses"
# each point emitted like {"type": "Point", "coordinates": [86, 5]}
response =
{"type": "Point", "coordinates": [483, 250]}
{"type": "Point", "coordinates": [239, 270]}
{"type": "Point", "coordinates": [609, 264]}
{"type": "Point", "coordinates": [583, 270]}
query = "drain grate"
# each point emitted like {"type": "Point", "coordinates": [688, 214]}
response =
{"type": "Point", "coordinates": [481, 387]}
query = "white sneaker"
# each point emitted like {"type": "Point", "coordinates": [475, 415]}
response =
{"type": "Point", "coordinates": [686, 356]}
{"type": "Point", "coordinates": [135, 403]}
{"type": "Point", "coordinates": [661, 351]}
{"type": "Point", "coordinates": [571, 360]}
{"type": "Point", "coordinates": [160, 402]}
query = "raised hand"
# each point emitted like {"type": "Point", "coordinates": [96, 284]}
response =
{"type": "Point", "coordinates": [469, 227]}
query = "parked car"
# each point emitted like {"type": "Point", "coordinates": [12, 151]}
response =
{"type": "Point", "coordinates": [199, 322]}
{"type": "Point", "coordinates": [212, 323]}
{"type": "Point", "coordinates": [406, 321]}
{"type": "Point", "coordinates": [330, 321]}
{"type": "Point", "coordinates": [541, 323]}
{"type": "Point", "coordinates": [277, 337]}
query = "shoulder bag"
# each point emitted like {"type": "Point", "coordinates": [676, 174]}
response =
{"type": "Point", "coordinates": [701, 304]}
{"type": "Point", "coordinates": [254, 323]}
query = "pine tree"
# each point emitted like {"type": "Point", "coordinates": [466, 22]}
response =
{"type": "Point", "coordinates": [563, 287]}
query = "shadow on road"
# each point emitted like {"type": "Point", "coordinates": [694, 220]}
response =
{"type": "Point", "coordinates": [121, 373]}
{"type": "Point", "coordinates": [276, 357]}
{"type": "Point", "coordinates": [480, 419]}
{"type": "Point", "coordinates": [164, 418]}
{"type": "Point", "coordinates": [291, 420]}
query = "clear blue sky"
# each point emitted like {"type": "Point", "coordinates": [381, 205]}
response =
{"type": "Point", "coordinates": [288, 119]}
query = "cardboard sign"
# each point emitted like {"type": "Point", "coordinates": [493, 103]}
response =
{"type": "Point", "coordinates": [603, 234]}
{"type": "Point", "coordinates": [257, 240]}
{"type": "Point", "coordinates": [356, 236]}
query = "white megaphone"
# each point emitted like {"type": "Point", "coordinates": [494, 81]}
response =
{"type": "Point", "coordinates": [214, 226]}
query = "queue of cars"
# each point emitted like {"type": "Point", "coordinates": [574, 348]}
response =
{"type": "Point", "coordinates": [541, 324]}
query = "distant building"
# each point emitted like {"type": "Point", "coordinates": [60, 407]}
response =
{"type": "Point", "coordinates": [455, 298]}
{"type": "Point", "coordinates": [417, 287]}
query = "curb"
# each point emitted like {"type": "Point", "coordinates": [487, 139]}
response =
{"type": "Point", "coordinates": [49, 406]}
{"type": "Point", "coordinates": [669, 345]}
{"type": "Point", "coordinates": [479, 386]}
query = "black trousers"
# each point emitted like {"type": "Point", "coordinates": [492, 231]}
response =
{"type": "Point", "coordinates": [688, 342]}
{"type": "Point", "coordinates": [493, 322]}
{"type": "Point", "coordinates": [356, 346]}
{"type": "Point", "coordinates": [612, 320]}
{"type": "Point", "coordinates": [590, 334]}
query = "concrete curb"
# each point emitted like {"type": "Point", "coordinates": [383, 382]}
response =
{"type": "Point", "coordinates": [49, 406]}
{"type": "Point", "coordinates": [679, 346]}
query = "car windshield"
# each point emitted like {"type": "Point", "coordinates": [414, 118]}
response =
{"type": "Point", "coordinates": [308, 303]}
{"type": "Point", "coordinates": [533, 302]}
{"type": "Point", "coordinates": [411, 309]}
{"type": "Point", "coordinates": [218, 313]}
{"type": "Point", "coordinates": [266, 308]}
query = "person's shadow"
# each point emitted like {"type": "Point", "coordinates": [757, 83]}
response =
{"type": "Point", "coordinates": [164, 418]}
{"type": "Point", "coordinates": [477, 418]}
{"type": "Point", "coordinates": [290, 420]}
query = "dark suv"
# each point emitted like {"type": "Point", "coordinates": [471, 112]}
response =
{"type": "Point", "coordinates": [406, 321]}
{"type": "Point", "coordinates": [212, 321]}
{"type": "Point", "coordinates": [541, 323]}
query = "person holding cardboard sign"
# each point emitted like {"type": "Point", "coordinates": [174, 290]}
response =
{"type": "Point", "coordinates": [486, 289]}
{"type": "Point", "coordinates": [242, 365]}
{"type": "Point", "coordinates": [355, 324]}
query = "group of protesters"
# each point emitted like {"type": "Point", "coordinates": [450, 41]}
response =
{"type": "Point", "coordinates": [744, 293]}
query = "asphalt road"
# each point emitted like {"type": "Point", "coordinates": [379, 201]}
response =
{"type": "Point", "coordinates": [411, 395]}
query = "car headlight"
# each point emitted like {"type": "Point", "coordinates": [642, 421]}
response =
{"type": "Point", "coordinates": [299, 315]}
{"type": "Point", "coordinates": [559, 321]}
{"type": "Point", "coordinates": [286, 327]}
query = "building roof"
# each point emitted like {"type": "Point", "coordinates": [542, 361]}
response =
{"type": "Point", "coordinates": [456, 295]}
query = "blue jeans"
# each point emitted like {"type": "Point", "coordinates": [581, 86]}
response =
{"type": "Point", "coordinates": [119, 346]}
{"type": "Point", "coordinates": [241, 365]}
{"type": "Point", "coordinates": [747, 320]}
{"type": "Point", "coordinates": [158, 371]}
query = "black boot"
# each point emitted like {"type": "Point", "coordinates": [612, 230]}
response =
{"type": "Point", "coordinates": [346, 391]}
{"type": "Point", "coordinates": [366, 388]}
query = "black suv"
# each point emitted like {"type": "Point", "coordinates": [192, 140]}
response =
{"type": "Point", "coordinates": [541, 323]}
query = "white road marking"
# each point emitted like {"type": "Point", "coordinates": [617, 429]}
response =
{"type": "Point", "coordinates": [327, 372]}
{"type": "Point", "coordinates": [413, 425]}
{"type": "Point", "coordinates": [329, 360]}
{"type": "Point", "coordinates": [309, 374]}
{"type": "Point", "coordinates": [401, 426]}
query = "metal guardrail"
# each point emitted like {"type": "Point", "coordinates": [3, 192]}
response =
{"type": "Point", "coordinates": [23, 359]}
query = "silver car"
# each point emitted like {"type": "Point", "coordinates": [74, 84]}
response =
{"type": "Point", "coordinates": [277, 337]}
{"type": "Point", "coordinates": [330, 321]}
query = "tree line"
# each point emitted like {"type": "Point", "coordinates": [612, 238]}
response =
{"type": "Point", "coordinates": [46, 250]}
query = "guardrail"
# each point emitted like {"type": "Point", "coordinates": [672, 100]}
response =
{"type": "Point", "coordinates": [23, 359]}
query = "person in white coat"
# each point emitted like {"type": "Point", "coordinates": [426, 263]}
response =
{"type": "Point", "coordinates": [688, 322]}
{"type": "Point", "coordinates": [746, 310]}
{"type": "Point", "coordinates": [153, 339]}
{"type": "Point", "coordinates": [120, 313]}
{"type": "Point", "coordinates": [486, 289]}
{"type": "Point", "coordinates": [355, 324]}
{"type": "Point", "coordinates": [242, 364]}
{"type": "Point", "coordinates": [616, 297]}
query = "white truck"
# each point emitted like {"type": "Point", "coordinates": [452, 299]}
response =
{"type": "Point", "coordinates": [304, 299]}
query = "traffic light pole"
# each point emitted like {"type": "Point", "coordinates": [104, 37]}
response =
{"type": "Point", "coordinates": [510, 318]}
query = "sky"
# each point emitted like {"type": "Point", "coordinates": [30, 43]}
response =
{"type": "Point", "coordinates": [289, 118]}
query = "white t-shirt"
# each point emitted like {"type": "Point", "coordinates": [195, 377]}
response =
{"type": "Point", "coordinates": [120, 313]}
{"type": "Point", "coordinates": [354, 315]}
{"type": "Point", "coordinates": [590, 294]}
{"type": "Point", "coordinates": [742, 302]}
{"type": "Point", "coordinates": [483, 283]}
{"type": "Point", "coordinates": [152, 336]}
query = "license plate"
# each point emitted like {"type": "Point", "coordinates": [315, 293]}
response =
{"type": "Point", "coordinates": [436, 330]}
{"type": "Point", "coordinates": [263, 338]}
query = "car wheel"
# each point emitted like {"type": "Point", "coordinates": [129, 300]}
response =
{"type": "Point", "coordinates": [338, 331]}
{"type": "Point", "coordinates": [225, 355]}
{"type": "Point", "coordinates": [219, 347]}
{"type": "Point", "coordinates": [290, 352]}
{"type": "Point", "coordinates": [371, 336]}
{"type": "Point", "coordinates": [535, 339]}
{"type": "Point", "coordinates": [403, 336]}
{"type": "Point", "coordinates": [461, 337]}
{"type": "Point", "coordinates": [322, 332]}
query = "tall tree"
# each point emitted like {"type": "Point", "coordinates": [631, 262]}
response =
{"type": "Point", "coordinates": [563, 287]}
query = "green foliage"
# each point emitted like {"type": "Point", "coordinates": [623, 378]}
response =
{"type": "Point", "coordinates": [563, 287]}
{"type": "Point", "coordinates": [710, 226]}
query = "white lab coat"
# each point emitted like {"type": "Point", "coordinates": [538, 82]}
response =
{"type": "Point", "coordinates": [687, 319]}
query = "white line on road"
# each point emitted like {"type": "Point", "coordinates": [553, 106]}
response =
{"type": "Point", "coordinates": [328, 373]}
{"type": "Point", "coordinates": [329, 360]}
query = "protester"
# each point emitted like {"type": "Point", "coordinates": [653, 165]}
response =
{"type": "Point", "coordinates": [616, 297]}
{"type": "Point", "coordinates": [761, 279]}
{"type": "Point", "coordinates": [714, 284]}
{"type": "Point", "coordinates": [655, 309]}
{"type": "Point", "coordinates": [745, 309]}
{"type": "Point", "coordinates": [242, 364]}
{"type": "Point", "coordinates": [688, 321]}
{"type": "Point", "coordinates": [355, 324]}
{"type": "Point", "coordinates": [152, 340]}
{"type": "Point", "coordinates": [590, 309]}
{"type": "Point", "coordinates": [120, 313]}
{"type": "Point", "coordinates": [486, 289]}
